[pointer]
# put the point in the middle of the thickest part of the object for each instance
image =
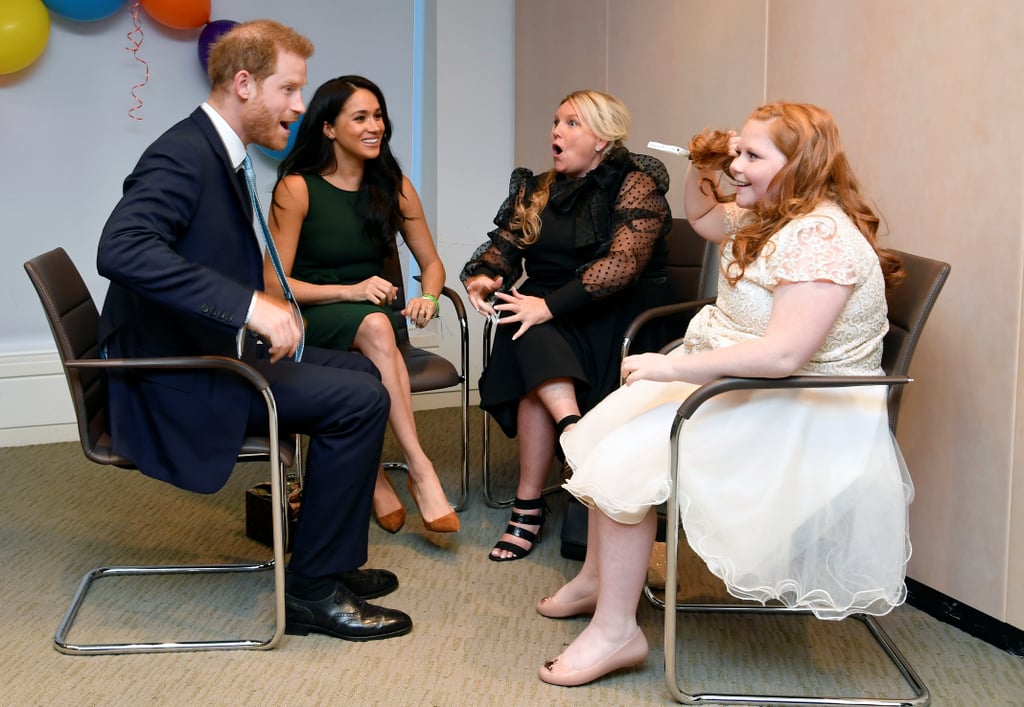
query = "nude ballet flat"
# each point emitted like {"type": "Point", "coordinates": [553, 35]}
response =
{"type": "Point", "coordinates": [553, 609]}
{"type": "Point", "coordinates": [632, 652]}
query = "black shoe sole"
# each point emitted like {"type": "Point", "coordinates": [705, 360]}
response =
{"type": "Point", "coordinates": [306, 629]}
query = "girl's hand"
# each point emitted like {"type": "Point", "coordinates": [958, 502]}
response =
{"type": "Point", "coordinates": [648, 366]}
{"type": "Point", "coordinates": [480, 288]}
{"type": "Point", "coordinates": [523, 310]}
{"type": "Point", "coordinates": [734, 144]}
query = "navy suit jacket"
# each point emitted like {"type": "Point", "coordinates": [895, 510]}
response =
{"type": "Point", "coordinates": [183, 261]}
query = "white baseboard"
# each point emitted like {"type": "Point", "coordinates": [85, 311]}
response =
{"type": "Point", "coordinates": [43, 434]}
{"type": "Point", "coordinates": [35, 405]}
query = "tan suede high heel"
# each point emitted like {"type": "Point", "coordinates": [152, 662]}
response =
{"type": "Point", "coordinates": [448, 523]}
{"type": "Point", "coordinates": [393, 521]}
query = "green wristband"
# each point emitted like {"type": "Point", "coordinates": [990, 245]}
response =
{"type": "Point", "coordinates": [428, 296]}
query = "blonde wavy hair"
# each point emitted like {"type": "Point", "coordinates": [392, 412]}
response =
{"type": "Point", "coordinates": [609, 119]}
{"type": "Point", "coordinates": [816, 170]}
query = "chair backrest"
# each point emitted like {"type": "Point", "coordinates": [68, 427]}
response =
{"type": "Point", "coordinates": [692, 263]}
{"type": "Point", "coordinates": [910, 303]}
{"type": "Point", "coordinates": [74, 321]}
{"type": "Point", "coordinates": [691, 267]}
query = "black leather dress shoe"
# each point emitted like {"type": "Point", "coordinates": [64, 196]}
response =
{"type": "Point", "coordinates": [343, 615]}
{"type": "Point", "coordinates": [367, 584]}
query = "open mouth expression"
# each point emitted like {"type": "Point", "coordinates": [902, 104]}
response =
{"type": "Point", "coordinates": [574, 147]}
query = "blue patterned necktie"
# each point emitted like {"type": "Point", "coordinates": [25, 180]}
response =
{"type": "Point", "coordinates": [250, 182]}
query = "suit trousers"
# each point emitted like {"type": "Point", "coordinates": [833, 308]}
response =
{"type": "Point", "coordinates": [336, 398]}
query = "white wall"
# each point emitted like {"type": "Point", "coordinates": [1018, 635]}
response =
{"type": "Point", "coordinates": [67, 140]}
{"type": "Point", "coordinates": [475, 124]}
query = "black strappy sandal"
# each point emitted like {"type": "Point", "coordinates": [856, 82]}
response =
{"type": "Point", "coordinates": [519, 552]}
{"type": "Point", "coordinates": [559, 429]}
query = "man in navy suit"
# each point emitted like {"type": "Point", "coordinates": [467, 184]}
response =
{"type": "Point", "coordinates": [186, 277]}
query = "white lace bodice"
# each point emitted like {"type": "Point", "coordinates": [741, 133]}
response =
{"type": "Point", "coordinates": [824, 245]}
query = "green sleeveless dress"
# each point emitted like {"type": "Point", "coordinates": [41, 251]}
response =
{"type": "Point", "coordinates": [334, 250]}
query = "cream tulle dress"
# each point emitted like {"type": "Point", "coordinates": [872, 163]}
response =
{"type": "Point", "coordinates": [794, 495]}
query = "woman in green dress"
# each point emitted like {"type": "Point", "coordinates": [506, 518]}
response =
{"type": "Point", "coordinates": [339, 199]}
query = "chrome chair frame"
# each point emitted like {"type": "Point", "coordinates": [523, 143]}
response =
{"type": "Point", "coordinates": [910, 305]}
{"type": "Point", "coordinates": [490, 498]}
{"type": "Point", "coordinates": [921, 696]}
{"type": "Point", "coordinates": [76, 311]}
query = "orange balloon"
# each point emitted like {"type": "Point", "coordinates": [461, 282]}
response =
{"type": "Point", "coordinates": [179, 14]}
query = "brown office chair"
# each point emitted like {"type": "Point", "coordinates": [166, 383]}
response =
{"type": "Point", "coordinates": [429, 371]}
{"type": "Point", "coordinates": [73, 319]}
{"type": "Point", "coordinates": [689, 278]}
{"type": "Point", "coordinates": [909, 307]}
{"type": "Point", "coordinates": [692, 271]}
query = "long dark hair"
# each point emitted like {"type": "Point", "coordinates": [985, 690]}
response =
{"type": "Point", "coordinates": [377, 203]}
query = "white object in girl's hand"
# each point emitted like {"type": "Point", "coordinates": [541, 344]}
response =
{"type": "Point", "coordinates": [674, 149]}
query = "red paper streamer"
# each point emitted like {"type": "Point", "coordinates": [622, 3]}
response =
{"type": "Point", "coordinates": [135, 38]}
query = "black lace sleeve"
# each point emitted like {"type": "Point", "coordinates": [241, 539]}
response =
{"type": "Point", "coordinates": [500, 255]}
{"type": "Point", "coordinates": [640, 216]}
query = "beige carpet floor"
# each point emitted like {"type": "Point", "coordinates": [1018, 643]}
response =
{"type": "Point", "coordinates": [477, 639]}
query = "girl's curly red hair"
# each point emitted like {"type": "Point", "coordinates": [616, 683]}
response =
{"type": "Point", "coordinates": [816, 170]}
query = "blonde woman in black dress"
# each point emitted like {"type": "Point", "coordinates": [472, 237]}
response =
{"type": "Point", "coordinates": [589, 235]}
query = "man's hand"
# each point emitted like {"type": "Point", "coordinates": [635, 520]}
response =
{"type": "Point", "coordinates": [275, 320]}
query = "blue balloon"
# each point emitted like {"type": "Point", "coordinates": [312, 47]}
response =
{"type": "Point", "coordinates": [281, 154]}
{"type": "Point", "coordinates": [211, 33]}
{"type": "Point", "coordinates": [84, 10]}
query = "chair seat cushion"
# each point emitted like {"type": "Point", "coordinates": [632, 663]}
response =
{"type": "Point", "coordinates": [260, 447]}
{"type": "Point", "coordinates": [428, 371]}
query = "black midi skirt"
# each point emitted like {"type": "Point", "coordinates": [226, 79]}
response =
{"type": "Point", "coordinates": [584, 347]}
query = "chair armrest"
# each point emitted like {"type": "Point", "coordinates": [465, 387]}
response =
{"type": "Point", "coordinates": [460, 313]}
{"type": "Point", "coordinates": [460, 308]}
{"type": "Point", "coordinates": [729, 383]}
{"type": "Point", "coordinates": [224, 363]}
{"type": "Point", "coordinates": [453, 296]}
{"type": "Point", "coordinates": [648, 315]}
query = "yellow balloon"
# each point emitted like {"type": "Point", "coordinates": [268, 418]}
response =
{"type": "Point", "coordinates": [24, 30]}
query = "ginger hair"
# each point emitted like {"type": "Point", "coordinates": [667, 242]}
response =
{"type": "Point", "coordinates": [253, 47]}
{"type": "Point", "coordinates": [816, 170]}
